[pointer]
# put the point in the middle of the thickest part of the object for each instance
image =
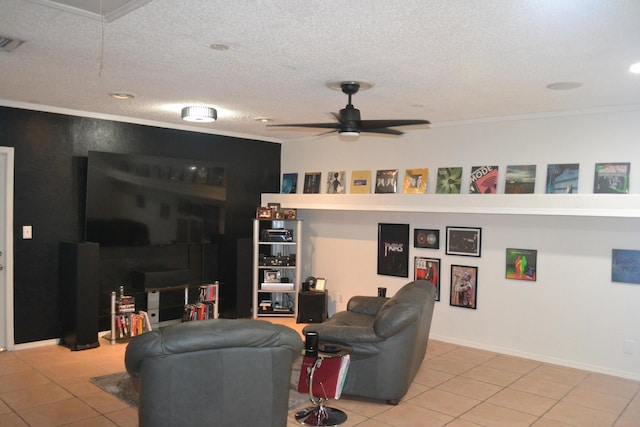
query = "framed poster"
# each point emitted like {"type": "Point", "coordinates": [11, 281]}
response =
{"type": "Point", "coordinates": [521, 264]}
{"type": "Point", "coordinates": [625, 266]}
{"type": "Point", "coordinates": [464, 286]}
{"type": "Point", "coordinates": [463, 241]}
{"type": "Point", "coordinates": [423, 238]}
{"type": "Point", "coordinates": [427, 269]}
{"type": "Point", "coordinates": [393, 249]}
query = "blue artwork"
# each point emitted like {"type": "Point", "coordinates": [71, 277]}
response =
{"type": "Point", "coordinates": [625, 266]}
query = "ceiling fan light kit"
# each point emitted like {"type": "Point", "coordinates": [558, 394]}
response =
{"type": "Point", "coordinates": [200, 114]}
{"type": "Point", "coordinates": [348, 122]}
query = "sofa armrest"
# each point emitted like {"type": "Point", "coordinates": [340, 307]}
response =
{"type": "Point", "coordinates": [366, 304]}
{"type": "Point", "coordinates": [394, 319]}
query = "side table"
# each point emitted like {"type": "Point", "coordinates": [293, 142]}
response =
{"type": "Point", "coordinates": [319, 414]}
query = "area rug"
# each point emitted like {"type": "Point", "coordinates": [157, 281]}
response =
{"type": "Point", "coordinates": [121, 386]}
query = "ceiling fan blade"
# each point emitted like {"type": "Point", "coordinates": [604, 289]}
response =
{"type": "Point", "coordinates": [385, 131]}
{"type": "Point", "coordinates": [309, 125]}
{"type": "Point", "coordinates": [374, 124]}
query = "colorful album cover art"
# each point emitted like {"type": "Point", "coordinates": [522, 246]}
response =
{"type": "Point", "coordinates": [521, 264]}
{"type": "Point", "coordinates": [484, 180]}
{"type": "Point", "coordinates": [520, 179]}
{"type": "Point", "coordinates": [612, 178]}
{"type": "Point", "coordinates": [562, 178]}
{"type": "Point", "coordinates": [625, 266]}
{"type": "Point", "coordinates": [448, 180]}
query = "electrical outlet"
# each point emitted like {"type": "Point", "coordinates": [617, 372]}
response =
{"type": "Point", "coordinates": [27, 232]}
{"type": "Point", "coordinates": [627, 347]}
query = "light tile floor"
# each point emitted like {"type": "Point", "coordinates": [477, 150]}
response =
{"type": "Point", "coordinates": [456, 386]}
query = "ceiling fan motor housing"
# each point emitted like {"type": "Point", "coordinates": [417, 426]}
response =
{"type": "Point", "coordinates": [350, 119]}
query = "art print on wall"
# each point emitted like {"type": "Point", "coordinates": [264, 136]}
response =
{"type": "Point", "coordinates": [289, 183]}
{"type": "Point", "coordinates": [428, 269]}
{"type": "Point", "coordinates": [312, 183]}
{"type": "Point", "coordinates": [415, 181]}
{"type": "Point", "coordinates": [484, 180]}
{"type": "Point", "coordinates": [625, 266]}
{"type": "Point", "coordinates": [423, 238]}
{"type": "Point", "coordinates": [448, 180]}
{"type": "Point", "coordinates": [521, 264]}
{"type": "Point", "coordinates": [465, 241]}
{"type": "Point", "coordinates": [464, 286]}
{"type": "Point", "coordinates": [335, 182]}
{"type": "Point", "coordinates": [360, 182]}
{"type": "Point", "coordinates": [393, 249]}
{"type": "Point", "coordinates": [562, 178]}
{"type": "Point", "coordinates": [612, 178]}
{"type": "Point", "coordinates": [520, 179]}
{"type": "Point", "coordinates": [387, 181]}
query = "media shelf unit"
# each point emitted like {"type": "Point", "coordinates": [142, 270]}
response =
{"type": "Point", "coordinates": [276, 267]}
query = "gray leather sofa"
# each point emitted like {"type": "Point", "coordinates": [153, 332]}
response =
{"type": "Point", "coordinates": [223, 372]}
{"type": "Point", "coordinates": [389, 340]}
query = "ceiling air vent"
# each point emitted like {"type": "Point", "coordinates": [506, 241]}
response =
{"type": "Point", "coordinates": [7, 44]}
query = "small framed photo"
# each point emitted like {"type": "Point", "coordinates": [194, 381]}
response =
{"type": "Point", "coordinates": [465, 241]}
{"type": "Point", "coordinates": [264, 213]}
{"type": "Point", "coordinates": [272, 276]}
{"type": "Point", "coordinates": [321, 284]}
{"type": "Point", "coordinates": [464, 286]}
{"type": "Point", "coordinates": [428, 269]}
{"type": "Point", "coordinates": [423, 238]}
{"type": "Point", "coordinates": [290, 213]}
{"type": "Point", "coordinates": [521, 264]}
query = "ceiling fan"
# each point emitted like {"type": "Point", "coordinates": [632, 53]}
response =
{"type": "Point", "coordinates": [349, 123]}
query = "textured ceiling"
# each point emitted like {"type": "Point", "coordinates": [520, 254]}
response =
{"type": "Point", "coordinates": [440, 60]}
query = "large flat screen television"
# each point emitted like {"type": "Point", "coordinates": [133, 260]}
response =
{"type": "Point", "coordinates": [138, 200]}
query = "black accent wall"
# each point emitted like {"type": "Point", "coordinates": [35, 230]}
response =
{"type": "Point", "coordinates": [50, 190]}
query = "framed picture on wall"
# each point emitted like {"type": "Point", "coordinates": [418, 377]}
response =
{"type": "Point", "coordinates": [625, 266]}
{"type": "Point", "coordinates": [423, 238]}
{"type": "Point", "coordinates": [464, 286]}
{"type": "Point", "coordinates": [427, 269]}
{"type": "Point", "coordinates": [393, 249]}
{"type": "Point", "coordinates": [521, 264]}
{"type": "Point", "coordinates": [465, 241]}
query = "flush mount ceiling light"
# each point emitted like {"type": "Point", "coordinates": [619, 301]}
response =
{"type": "Point", "coordinates": [200, 114]}
{"type": "Point", "coordinates": [635, 68]}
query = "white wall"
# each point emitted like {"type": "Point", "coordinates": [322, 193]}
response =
{"type": "Point", "coordinates": [573, 314]}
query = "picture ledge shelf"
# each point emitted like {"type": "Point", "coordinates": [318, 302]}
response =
{"type": "Point", "coordinates": [602, 205]}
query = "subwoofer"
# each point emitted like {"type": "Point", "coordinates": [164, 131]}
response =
{"type": "Point", "coordinates": [312, 307]}
{"type": "Point", "coordinates": [79, 285]}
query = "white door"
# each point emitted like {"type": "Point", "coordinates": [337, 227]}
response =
{"type": "Point", "coordinates": [6, 248]}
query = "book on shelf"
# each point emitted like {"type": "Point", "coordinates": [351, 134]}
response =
{"type": "Point", "coordinates": [328, 377]}
{"type": "Point", "coordinates": [208, 292]}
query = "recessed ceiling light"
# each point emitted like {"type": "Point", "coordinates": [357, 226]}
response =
{"type": "Point", "coordinates": [564, 85]}
{"type": "Point", "coordinates": [219, 46]}
{"type": "Point", "coordinates": [122, 95]}
{"type": "Point", "coordinates": [263, 119]}
{"type": "Point", "coordinates": [635, 68]}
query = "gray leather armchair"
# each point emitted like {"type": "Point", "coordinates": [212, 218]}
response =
{"type": "Point", "coordinates": [223, 372]}
{"type": "Point", "coordinates": [389, 340]}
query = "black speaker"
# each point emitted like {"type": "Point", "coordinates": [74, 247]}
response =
{"type": "Point", "coordinates": [244, 278]}
{"type": "Point", "coordinates": [312, 307]}
{"type": "Point", "coordinates": [79, 286]}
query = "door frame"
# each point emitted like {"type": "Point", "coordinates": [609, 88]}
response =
{"type": "Point", "coordinates": [9, 154]}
